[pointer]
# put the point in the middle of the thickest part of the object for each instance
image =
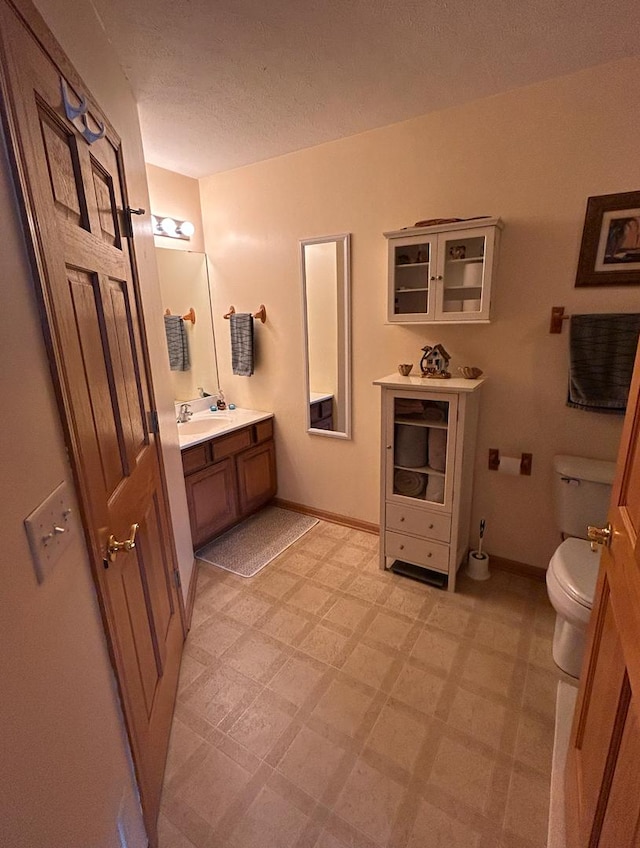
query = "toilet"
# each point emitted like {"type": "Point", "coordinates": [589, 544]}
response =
{"type": "Point", "coordinates": [581, 493]}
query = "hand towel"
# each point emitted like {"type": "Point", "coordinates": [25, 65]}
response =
{"type": "Point", "coordinates": [177, 343]}
{"type": "Point", "coordinates": [602, 350]}
{"type": "Point", "coordinates": [242, 343]}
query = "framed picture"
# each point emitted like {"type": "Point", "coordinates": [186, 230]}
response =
{"type": "Point", "coordinates": [610, 250]}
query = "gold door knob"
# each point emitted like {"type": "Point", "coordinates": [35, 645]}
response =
{"type": "Point", "coordinates": [113, 546]}
{"type": "Point", "coordinates": [599, 536]}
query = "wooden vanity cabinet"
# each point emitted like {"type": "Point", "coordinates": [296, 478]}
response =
{"type": "Point", "coordinates": [229, 477]}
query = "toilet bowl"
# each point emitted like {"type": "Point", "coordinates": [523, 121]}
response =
{"type": "Point", "coordinates": [571, 585]}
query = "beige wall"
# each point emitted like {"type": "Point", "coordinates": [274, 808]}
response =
{"type": "Point", "coordinates": [65, 768]}
{"type": "Point", "coordinates": [531, 156]}
{"type": "Point", "coordinates": [176, 196]}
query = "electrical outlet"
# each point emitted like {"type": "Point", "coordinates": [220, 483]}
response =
{"type": "Point", "coordinates": [50, 529]}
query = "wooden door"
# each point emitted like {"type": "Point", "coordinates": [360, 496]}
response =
{"type": "Point", "coordinates": [602, 783]}
{"type": "Point", "coordinates": [73, 192]}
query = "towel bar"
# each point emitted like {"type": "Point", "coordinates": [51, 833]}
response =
{"type": "Point", "coordinates": [261, 314]}
{"type": "Point", "coordinates": [190, 316]}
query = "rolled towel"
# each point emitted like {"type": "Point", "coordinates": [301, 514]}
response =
{"type": "Point", "coordinates": [408, 483]}
{"type": "Point", "coordinates": [437, 449]}
{"type": "Point", "coordinates": [435, 489]}
{"type": "Point", "coordinates": [411, 446]}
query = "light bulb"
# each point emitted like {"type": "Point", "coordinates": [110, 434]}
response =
{"type": "Point", "coordinates": [187, 229]}
{"type": "Point", "coordinates": [169, 226]}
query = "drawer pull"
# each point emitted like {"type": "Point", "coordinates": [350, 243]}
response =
{"type": "Point", "coordinates": [402, 518]}
{"type": "Point", "coordinates": [429, 554]}
{"type": "Point", "coordinates": [430, 526]}
{"type": "Point", "coordinates": [401, 547]}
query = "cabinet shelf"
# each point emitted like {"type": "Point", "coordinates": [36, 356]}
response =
{"type": "Point", "coordinates": [422, 422]}
{"type": "Point", "coordinates": [469, 289]}
{"type": "Point", "coordinates": [423, 469]}
{"type": "Point", "coordinates": [466, 260]}
{"type": "Point", "coordinates": [408, 290]}
{"type": "Point", "coordinates": [411, 264]}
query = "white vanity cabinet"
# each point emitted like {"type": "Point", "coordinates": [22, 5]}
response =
{"type": "Point", "coordinates": [443, 274]}
{"type": "Point", "coordinates": [428, 448]}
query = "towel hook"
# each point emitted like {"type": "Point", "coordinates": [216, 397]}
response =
{"type": "Point", "coordinates": [557, 317]}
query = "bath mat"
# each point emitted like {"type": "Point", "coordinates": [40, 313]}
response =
{"type": "Point", "coordinates": [247, 548]}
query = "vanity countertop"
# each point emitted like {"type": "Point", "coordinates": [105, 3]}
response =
{"type": "Point", "coordinates": [206, 425]}
{"type": "Point", "coordinates": [315, 397]}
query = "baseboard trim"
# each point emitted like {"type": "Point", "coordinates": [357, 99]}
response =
{"type": "Point", "coordinates": [521, 568]}
{"type": "Point", "coordinates": [333, 517]}
{"type": "Point", "coordinates": [191, 594]}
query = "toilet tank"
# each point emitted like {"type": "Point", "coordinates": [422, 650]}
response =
{"type": "Point", "coordinates": [581, 493]}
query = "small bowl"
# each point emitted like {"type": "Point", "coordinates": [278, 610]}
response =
{"type": "Point", "coordinates": [470, 372]}
{"type": "Point", "coordinates": [405, 369]}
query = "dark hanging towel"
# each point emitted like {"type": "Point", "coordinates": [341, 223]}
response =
{"type": "Point", "coordinates": [242, 343]}
{"type": "Point", "coordinates": [177, 343]}
{"type": "Point", "coordinates": [602, 351]}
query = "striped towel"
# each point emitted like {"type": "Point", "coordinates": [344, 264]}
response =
{"type": "Point", "coordinates": [602, 350]}
{"type": "Point", "coordinates": [177, 343]}
{"type": "Point", "coordinates": [242, 343]}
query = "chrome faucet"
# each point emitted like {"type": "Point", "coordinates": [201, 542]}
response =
{"type": "Point", "coordinates": [185, 413]}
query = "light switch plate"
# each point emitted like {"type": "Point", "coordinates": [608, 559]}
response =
{"type": "Point", "coordinates": [50, 529]}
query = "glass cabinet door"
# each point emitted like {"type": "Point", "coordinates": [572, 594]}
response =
{"type": "Point", "coordinates": [420, 449]}
{"type": "Point", "coordinates": [413, 273]}
{"type": "Point", "coordinates": [463, 264]}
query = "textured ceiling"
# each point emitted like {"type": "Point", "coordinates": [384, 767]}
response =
{"type": "Point", "coordinates": [224, 83]}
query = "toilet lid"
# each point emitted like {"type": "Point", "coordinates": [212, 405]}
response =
{"type": "Point", "coordinates": [576, 567]}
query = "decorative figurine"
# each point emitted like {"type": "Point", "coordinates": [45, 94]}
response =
{"type": "Point", "coordinates": [457, 251]}
{"type": "Point", "coordinates": [435, 362]}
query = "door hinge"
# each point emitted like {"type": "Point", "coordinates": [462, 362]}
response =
{"type": "Point", "coordinates": [176, 577]}
{"type": "Point", "coordinates": [152, 417]}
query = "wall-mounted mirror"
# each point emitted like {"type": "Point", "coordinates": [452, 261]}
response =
{"type": "Point", "coordinates": [184, 285]}
{"type": "Point", "coordinates": [325, 266]}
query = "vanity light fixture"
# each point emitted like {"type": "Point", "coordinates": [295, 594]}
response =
{"type": "Point", "coordinates": [172, 228]}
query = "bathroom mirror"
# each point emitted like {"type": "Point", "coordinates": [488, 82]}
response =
{"type": "Point", "coordinates": [184, 285]}
{"type": "Point", "coordinates": [325, 264]}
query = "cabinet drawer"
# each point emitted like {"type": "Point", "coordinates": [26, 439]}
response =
{"type": "Point", "coordinates": [195, 458]}
{"type": "Point", "coordinates": [419, 522]}
{"type": "Point", "coordinates": [263, 430]}
{"type": "Point", "coordinates": [419, 551]}
{"type": "Point", "coordinates": [234, 442]}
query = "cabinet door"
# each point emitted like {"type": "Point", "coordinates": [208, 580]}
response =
{"type": "Point", "coordinates": [211, 496]}
{"type": "Point", "coordinates": [256, 469]}
{"type": "Point", "coordinates": [412, 277]}
{"type": "Point", "coordinates": [463, 274]}
{"type": "Point", "coordinates": [420, 445]}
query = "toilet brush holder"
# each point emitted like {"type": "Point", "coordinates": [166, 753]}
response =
{"type": "Point", "coordinates": [478, 565]}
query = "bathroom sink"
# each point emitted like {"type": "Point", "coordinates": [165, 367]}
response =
{"type": "Point", "coordinates": [196, 428]}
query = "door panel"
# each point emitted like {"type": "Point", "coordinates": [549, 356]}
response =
{"type": "Point", "coordinates": [602, 799]}
{"type": "Point", "coordinates": [74, 197]}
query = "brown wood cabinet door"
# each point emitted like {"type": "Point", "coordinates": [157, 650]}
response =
{"type": "Point", "coordinates": [257, 481]}
{"type": "Point", "coordinates": [71, 182]}
{"type": "Point", "coordinates": [211, 495]}
{"type": "Point", "coordinates": [602, 784]}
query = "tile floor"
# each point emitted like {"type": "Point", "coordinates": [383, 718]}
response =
{"type": "Point", "coordinates": [326, 703]}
